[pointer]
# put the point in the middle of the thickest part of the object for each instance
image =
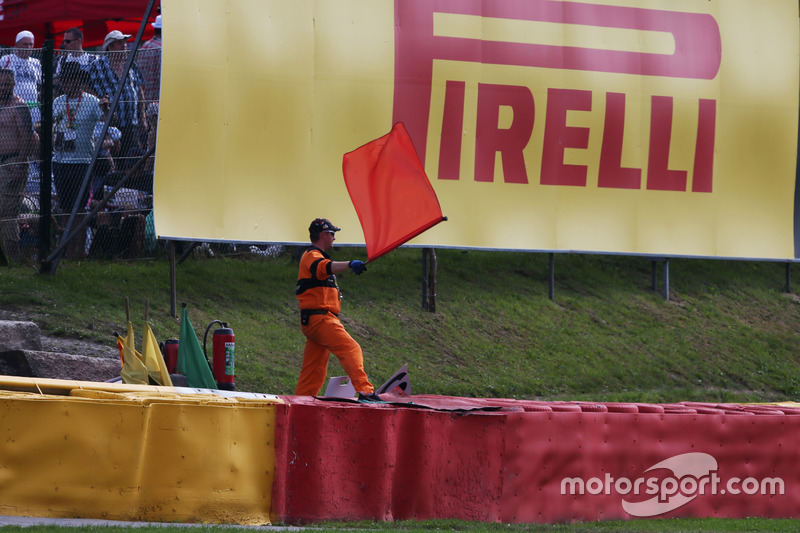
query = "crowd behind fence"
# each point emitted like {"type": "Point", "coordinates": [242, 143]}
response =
{"type": "Point", "coordinates": [83, 88]}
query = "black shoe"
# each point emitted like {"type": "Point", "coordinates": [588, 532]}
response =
{"type": "Point", "coordinates": [371, 397]}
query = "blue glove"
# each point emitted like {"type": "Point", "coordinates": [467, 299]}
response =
{"type": "Point", "coordinates": [358, 266]}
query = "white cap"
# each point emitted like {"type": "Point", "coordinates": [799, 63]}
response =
{"type": "Point", "coordinates": [157, 23]}
{"type": "Point", "coordinates": [24, 33]}
{"type": "Point", "coordinates": [114, 35]}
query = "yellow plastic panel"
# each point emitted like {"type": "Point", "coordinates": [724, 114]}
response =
{"type": "Point", "coordinates": [136, 455]}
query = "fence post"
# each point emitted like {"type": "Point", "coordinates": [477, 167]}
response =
{"type": "Point", "coordinates": [173, 291]}
{"type": "Point", "coordinates": [429, 265]}
{"type": "Point", "coordinates": [46, 151]}
{"type": "Point", "coordinates": [788, 286]}
{"type": "Point", "coordinates": [432, 281]}
{"type": "Point", "coordinates": [425, 279]}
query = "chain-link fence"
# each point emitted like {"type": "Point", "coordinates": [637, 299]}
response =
{"type": "Point", "coordinates": [59, 164]}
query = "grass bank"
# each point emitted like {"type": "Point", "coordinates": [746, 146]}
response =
{"type": "Point", "coordinates": [727, 333]}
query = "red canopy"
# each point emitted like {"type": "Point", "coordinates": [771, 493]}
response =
{"type": "Point", "coordinates": [50, 18]}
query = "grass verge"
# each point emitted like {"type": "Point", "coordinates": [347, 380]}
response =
{"type": "Point", "coordinates": [727, 333]}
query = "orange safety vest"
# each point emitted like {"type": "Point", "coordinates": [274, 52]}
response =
{"type": "Point", "coordinates": [316, 285]}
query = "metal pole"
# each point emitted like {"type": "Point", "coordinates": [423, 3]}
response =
{"type": "Point", "coordinates": [173, 291]}
{"type": "Point", "coordinates": [188, 251]}
{"type": "Point", "coordinates": [666, 279]}
{"type": "Point", "coordinates": [788, 277]}
{"type": "Point", "coordinates": [552, 283]}
{"type": "Point", "coordinates": [425, 279]}
{"type": "Point", "coordinates": [432, 281]}
{"type": "Point", "coordinates": [46, 157]}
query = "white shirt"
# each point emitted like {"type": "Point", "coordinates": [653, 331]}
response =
{"type": "Point", "coordinates": [84, 60]}
{"type": "Point", "coordinates": [27, 75]}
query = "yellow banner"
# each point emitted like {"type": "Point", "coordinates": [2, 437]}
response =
{"type": "Point", "coordinates": [667, 127]}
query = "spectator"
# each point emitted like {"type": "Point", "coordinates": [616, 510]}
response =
{"type": "Point", "coordinates": [18, 142]}
{"type": "Point", "coordinates": [152, 124]}
{"type": "Point", "coordinates": [27, 72]}
{"type": "Point", "coordinates": [72, 50]}
{"type": "Point", "coordinates": [143, 179]}
{"type": "Point", "coordinates": [106, 74]}
{"type": "Point", "coordinates": [75, 114]}
{"type": "Point", "coordinates": [105, 159]}
{"type": "Point", "coordinates": [149, 61]}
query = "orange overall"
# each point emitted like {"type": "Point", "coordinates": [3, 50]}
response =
{"type": "Point", "coordinates": [320, 302]}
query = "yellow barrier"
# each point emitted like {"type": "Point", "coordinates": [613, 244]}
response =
{"type": "Point", "coordinates": [122, 452]}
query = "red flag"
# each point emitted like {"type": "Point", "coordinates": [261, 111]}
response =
{"type": "Point", "coordinates": [392, 196]}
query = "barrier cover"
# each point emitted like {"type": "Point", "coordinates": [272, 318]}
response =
{"type": "Point", "coordinates": [135, 453]}
{"type": "Point", "coordinates": [668, 127]}
{"type": "Point", "coordinates": [503, 460]}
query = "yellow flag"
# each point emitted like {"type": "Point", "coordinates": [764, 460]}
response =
{"type": "Point", "coordinates": [153, 360]}
{"type": "Point", "coordinates": [133, 369]}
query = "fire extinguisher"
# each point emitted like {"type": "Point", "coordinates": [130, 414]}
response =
{"type": "Point", "coordinates": [171, 355]}
{"type": "Point", "coordinates": [223, 345]}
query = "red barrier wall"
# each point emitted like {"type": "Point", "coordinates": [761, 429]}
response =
{"type": "Point", "coordinates": [504, 460]}
{"type": "Point", "coordinates": [358, 462]}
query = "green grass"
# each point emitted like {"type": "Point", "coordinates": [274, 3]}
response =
{"type": "Point", "coordinates": [727, 333]}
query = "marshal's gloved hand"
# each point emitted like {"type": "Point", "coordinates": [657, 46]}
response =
{"type": "Point", "coordinates": [358, 266]}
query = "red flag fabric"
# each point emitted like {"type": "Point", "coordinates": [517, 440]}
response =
{"type": "Point", "coordinates": [390, 191]}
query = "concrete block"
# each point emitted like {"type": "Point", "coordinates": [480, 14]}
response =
{"type": "Point", "coordinates": [38, 364]}
{"type": "Point", "coordinates": [17, 335]}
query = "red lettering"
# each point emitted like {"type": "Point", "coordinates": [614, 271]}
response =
{"type": "Point", "coordinates": [509, 142]}
{"type": "Point", "coordinates": [697, 54]}
{"type": "Point", "coordinates": [558, 136]}
{"type": "Point", "coordinates": [704, 147]}
{"type": "Point", "coordinates": [452, 126]}
{"type": "Point", "coordinates": [611, 172]}
{"type": "Point", "coordinates": [659, 176]}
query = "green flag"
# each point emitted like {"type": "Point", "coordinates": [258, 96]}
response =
{"type": "Point", "coordinates": [192, 363]}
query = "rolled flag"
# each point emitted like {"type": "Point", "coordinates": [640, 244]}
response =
{"type": "Point", "coordinates": [192, 363]}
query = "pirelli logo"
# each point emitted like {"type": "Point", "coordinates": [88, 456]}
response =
{"type": "Point", "coordinates": [618, 42]}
